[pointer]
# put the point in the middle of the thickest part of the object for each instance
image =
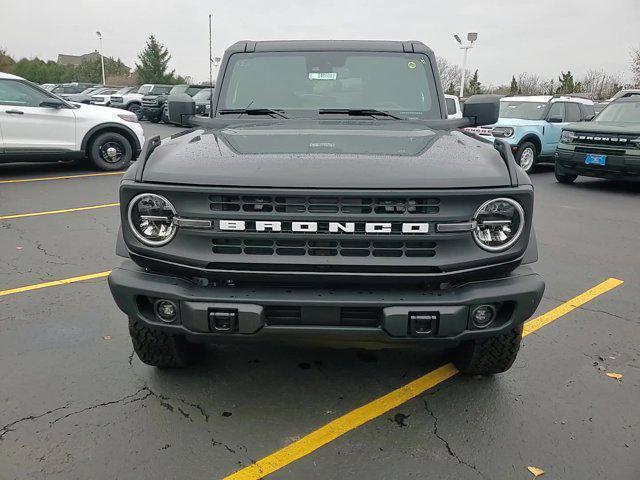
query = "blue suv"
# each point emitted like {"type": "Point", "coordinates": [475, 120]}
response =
{"type": "Point", "coordinates": [532, 125]}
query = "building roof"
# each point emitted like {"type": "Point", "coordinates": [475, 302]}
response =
{"type": "Point", "coordinates": [65, 59]}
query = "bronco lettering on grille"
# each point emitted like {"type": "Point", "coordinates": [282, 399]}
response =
{"type": "Point", "coordinates": [315, 227]}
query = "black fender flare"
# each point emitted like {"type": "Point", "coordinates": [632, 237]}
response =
{"type": "Point", "coordinates": [533, 138]}
{"type": "Point", "coordinates": [111, 126]}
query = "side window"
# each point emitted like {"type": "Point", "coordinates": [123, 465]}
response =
{"type": "Point", "coordinates": [451, 106]}
{"type": "Point", "coordinates": [17, 93]}
{"type": "Point", "coordinates": [556, 111]}
{"type": "Point", "coordinates": [573, 112]}
{"type": "Point", "coordinates": [588, 111]}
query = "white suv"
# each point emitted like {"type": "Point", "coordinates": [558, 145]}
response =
{"type": "Point", "coordinates": [36, 125]}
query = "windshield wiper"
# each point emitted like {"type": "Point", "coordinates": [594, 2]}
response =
{"type": "Point", "coordinates": [253, 111]}
{"type": "Point", "coordinates": [358, 112]}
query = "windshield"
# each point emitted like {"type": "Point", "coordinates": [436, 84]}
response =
{"type": "Point", "coordinates": [624, 112]}
{"type": "Point", "coordinates": [523, 110]}
{"type": "Point", "coordinates": [302, 83]}
{"type": "Point", "coordinates": [124, 90]}
{"type": "Point", "coordinates": [88, 90]}
{"type": "Point", "coordinates": [144, 89]}
{"type": "Point", "coordinates": [177, 89]}
{"type": "Point", "coordinates": [202, 95]}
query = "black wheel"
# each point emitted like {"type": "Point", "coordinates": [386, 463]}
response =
{"type": "Point", "coordinates": [110, 151]}
{"type": "Point", "coordinates": [563, 177]}
{"type": "Point", "coordinates": [488, 356]}
{"type": "Point", "coordinates": [154, 119]}
{"type": "Point", "coordinates": [137, 109]}
{"type": "Point", "coordinates": [160, 349]}
{"type": "Point", "coordinates": [527, 156]}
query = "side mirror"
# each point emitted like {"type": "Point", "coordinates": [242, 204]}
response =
{"type": "Point", "coordinates": [482, 109]}
{"type": "Point", "coordinates": [52, 103]}
{"type": "Point", "coordinates": [181, 108]}
{"type": "Point", "coordinates": [554, 120]}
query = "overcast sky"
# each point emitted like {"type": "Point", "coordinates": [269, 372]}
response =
{"type": "Point", "coordinates": [515, 36]}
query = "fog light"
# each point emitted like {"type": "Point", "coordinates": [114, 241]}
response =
{"type": "Point", "coordinates": [483, 315]}
{"type": "Point", "coordinates": [166, 310]}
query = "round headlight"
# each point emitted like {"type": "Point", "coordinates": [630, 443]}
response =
{"type": "Point", "coordinates": [151, 219]}
{"type": "Point", "coordinates": [567, 136]}
{"type": "Point", "coordinates": [499, 224]}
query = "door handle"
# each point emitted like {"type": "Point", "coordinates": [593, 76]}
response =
{"type": "Point", "coordinates": [15, 112]}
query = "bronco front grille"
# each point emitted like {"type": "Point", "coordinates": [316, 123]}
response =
{"type": "Point", "coordinates": [324, 248]}
{"type": "Point", "coordinates": [324, 204]}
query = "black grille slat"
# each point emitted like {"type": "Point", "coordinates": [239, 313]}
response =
{"type": "Point", "coordinates": [323, 248]}
{"type": "Point", "coordinates": [325, 204]}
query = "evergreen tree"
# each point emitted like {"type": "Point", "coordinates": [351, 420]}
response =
{"type": "Point", "coordinates": [474, 87]}
{"type": "Point", "coordinates": [154, 63]}
{"type": "Point", "coordinates": [513, 89]}
{"type": "Point", "coordinates": [567, 84]}
{"type": "Point", "coordinates": [6, 62]}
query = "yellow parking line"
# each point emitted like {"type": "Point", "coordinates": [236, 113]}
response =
{"type": "Point", "coordinates": [54, 283]}
{"type": "Point", "coordinates": [54, 212]}
{"type": "Point", "coordinates": [374, 409]}
{"type": "Point", "coordinates": [61, 177]}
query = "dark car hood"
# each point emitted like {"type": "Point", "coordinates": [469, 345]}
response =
{"type": "Point", "coordinates": [620, 128]}
{"type": "Point", "coordinates": [327, 154]}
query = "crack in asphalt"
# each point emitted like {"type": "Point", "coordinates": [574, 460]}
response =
{"type": "Point", "coordinates": [7, 428]}
{"type": "Point", "coordinates": [593, 310]}
{"type": "Point", "coordinates": [446, 443]}
{"type": "Point", "coordinates": [103, 404]}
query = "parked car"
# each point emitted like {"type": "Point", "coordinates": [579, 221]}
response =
{"type": "Point", "coordinates": [74, 87]}
{"type": "Point", "coordinates": [85, 97]}
{"type": "Point", "coordinates": [104, 99]}
{"type": "Point", "coordinates": [453, 106]}
{"type": "Point", "coordinates": [532, 125]}
{"type": "Point", "coordinates": [153, 104]}
{"type": "Point", "coordinates": [132, 101]}
{"type": "Point", "coordinates": [37, 125]}
{"type": "Point", "coordinates": [294, 215]}
{"type": "Point", "coordinates": [203, 101]}
{"type": "Point", "coordinates": [49, 86]}
{"type": "Point", "coordinates": [624, 93]}
{"type": "Point", "coordinates": [607, 147]}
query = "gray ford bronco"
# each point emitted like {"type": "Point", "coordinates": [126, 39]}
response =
{"type": "Point", "coordinates": [329, 200]}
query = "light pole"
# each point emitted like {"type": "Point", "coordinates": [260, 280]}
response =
{"type": "Point", "coordinates": [104, 80]}
{"type": "Point", "coordinates": [471, 37]}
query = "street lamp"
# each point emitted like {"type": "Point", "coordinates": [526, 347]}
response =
{"type": "Point", "coordinates": [104, 80]}
{"type": "Point", "coordinates": [471, 37]}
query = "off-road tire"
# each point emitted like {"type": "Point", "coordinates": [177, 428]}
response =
{"type": "Point", "coordinates": [488, 356]}
{"type": "Point", "coordinates": [563, 177]}
{"type": "Point", "coordinates": [161, 349]}
{"type": "Point", "coordinates": [524, 147]}
{"type": "Point", "coordinates": [137, 110]}
{"type": "Point", "coordinates": [106, 139]}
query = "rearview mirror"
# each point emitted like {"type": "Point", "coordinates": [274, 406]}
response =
{"type": "Point", "coordinates": [52, 103]}
{"type": "Point", "coordinates": [482, 109]}
{"type": "Point", "coordinates": [181, 108]}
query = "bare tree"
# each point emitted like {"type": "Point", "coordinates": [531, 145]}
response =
{"type": "Point", "coordinates": [449, 73]}
{"type": "Point", "coordinates": [600, 85]}
{"type": "Point", "coordinates": [635, 65]}
{"type": "Point", "coordinates": [531, 84]}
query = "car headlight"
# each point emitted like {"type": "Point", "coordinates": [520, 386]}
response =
{"type": "Point", "coordinates": [128, 117]}
{"type": "Point", "coordinates": [567, 136]}
{"type": "Point", "coordinates": [502, 132]}
{"type": "Point", "coordinates": [151, 219]}
{"type": "Point", "coordinates": [498, 224]}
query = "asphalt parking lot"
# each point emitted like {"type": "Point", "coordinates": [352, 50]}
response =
{"type": "Point", "coordinates": [75, 403]}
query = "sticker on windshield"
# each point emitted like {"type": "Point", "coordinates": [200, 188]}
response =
{"type": "Point", "coordinates": [323, 76]}
{"type": "Point", "coordinates": [411, 65]}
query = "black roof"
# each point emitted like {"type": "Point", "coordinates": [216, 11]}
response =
{"type": "Point", "coordinates": [329, 45]}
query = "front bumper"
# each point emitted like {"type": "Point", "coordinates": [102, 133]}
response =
{"type": "Point", "coordinates": [151, 112]}
{"type": "Point", "coordinates": [322, 319]}
{"type": "Point", "coordinates": [616, 167]}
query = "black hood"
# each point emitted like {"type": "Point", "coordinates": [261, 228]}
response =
{"type": "Point", "coordinates": [327, 154]}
